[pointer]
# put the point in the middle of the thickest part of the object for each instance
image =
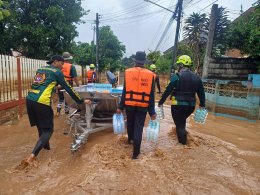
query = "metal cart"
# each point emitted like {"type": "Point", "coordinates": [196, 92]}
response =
{"type": "Point", "coordinates": [96, 117]}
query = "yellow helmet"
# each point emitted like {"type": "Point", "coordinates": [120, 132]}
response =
{"type": "Point", "coordinates": [91, 66]}
{"type": "Point", "coordinates": [152, 67]}
{"type": "Point", "coordinates": [185, 60]}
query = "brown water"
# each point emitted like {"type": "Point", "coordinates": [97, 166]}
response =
{"type": "Point", "coordinates": [222, 157]}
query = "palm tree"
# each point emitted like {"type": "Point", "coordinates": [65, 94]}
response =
{"type": "Point", "coordinates": [221, 33]}
{"type": "Point", "coordinates": [196, 31]}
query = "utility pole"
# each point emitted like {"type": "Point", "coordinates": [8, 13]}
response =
{"type": "Point", "coordinates": [97, 44]}
{"type": "Point", "coordinates": [175, 46]}
{"type": "Point", "coordinates": [93, 42]}
{"type": "Point", "coordinates": [212, 27]}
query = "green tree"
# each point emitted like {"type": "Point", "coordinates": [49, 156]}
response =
{"type": "Point", "coordinates": [244, 33]}
{"type": "Point", "coordinates": [37, 28]}
{"type": "Point", "coordinates": [153, 56]}
{"type": "Point", "coordinates": [163, 63]}
{"type": "Point", "coordinates": [128, 61]}
{"type": "Point", "coordinates": [4, 12]}
{"type": "Point", "coordinates": [185, 49]}
{"type": "Point", "coordinates": [254, 39]}
{"type": "Point", "coordinates": [195, 31]}
{"type": "Point", "coordinates": [221, 32]}
{"type": "Point", "coordinates": [83, 53]}
{"type": "Point", "coordinates": [111, 50]}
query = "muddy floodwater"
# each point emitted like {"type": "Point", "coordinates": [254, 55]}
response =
{"type": "Point", "coordinates": [222, 157]}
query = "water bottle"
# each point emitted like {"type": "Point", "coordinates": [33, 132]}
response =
{"type": "Point", "coordinates": [159, 112]}
{"type": "Point", "coordinates": [115, 122]}
{"type": "Point", "coordinates": [122, 121]}
{"type": "Point", "coordinates": [200, 115]}
{"type": "Point", "coordinates": [156, 129]}
{"type": "Point", "coordinates": [149, 131]}
{"type": "Point", "coordinates": [152, 130]}
{"type": "Point", "coordinates": [118, 123]}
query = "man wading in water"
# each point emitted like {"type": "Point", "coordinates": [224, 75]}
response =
{"type": "Point", "coordinates": [38, 102]}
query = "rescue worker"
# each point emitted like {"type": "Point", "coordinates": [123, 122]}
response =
{"type": "Point", "coordinates": [91, 74]}
{"type": "Point", "coordinates": [153, 69]}
{"type": "Point", "coordinates": [70, 75]}
{"type": "Point", "coordinates": [39, 98]}
{"type": "Point", "coordinates": [183, 87]}
{"type": "Point", "coordinates": [137, 98]}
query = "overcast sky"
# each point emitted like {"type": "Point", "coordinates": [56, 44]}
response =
{"type": "Point", "coordinates": [139, 24]}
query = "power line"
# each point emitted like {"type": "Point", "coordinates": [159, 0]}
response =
{"type": "Point", "coordinates": [167, 27]}
{"type": "Point", "coordinates": [132, 10]}
{"type": "Point", "coordinates": [132, 17]}
{"type": "Point", "coordinates": [156, 36]}
{"type": "Point", "coordinates": [208, 5]}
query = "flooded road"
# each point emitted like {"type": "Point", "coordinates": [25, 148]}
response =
{"type": "Point", "coordinates": [222, 157]}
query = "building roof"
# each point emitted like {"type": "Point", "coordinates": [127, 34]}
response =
{"type": "Point", "coordinates": [244, 14]}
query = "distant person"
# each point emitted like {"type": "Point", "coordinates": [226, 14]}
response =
{"type": "Point", "coordinates": [157, 81]}
{"type": "Point", "coordinates": [91, 74]}
{"type": "Point", "coordinates": [39, 98]}
{"type": "Point", "coordinates": [183, 87]}
{"type": "Point", "coordinates": [137, 98]}
{"type": "Point", "coordinates": [70, 75]}
{"type": "Point", "coordinates": [112, 79]}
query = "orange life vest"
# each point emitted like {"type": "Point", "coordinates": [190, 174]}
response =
{"type": "Point", "coordinates": [138, 85]}
{"type": "Point", "coordinates": [66, 71]}
{"type": "Point", "coordinates": [90, 76]}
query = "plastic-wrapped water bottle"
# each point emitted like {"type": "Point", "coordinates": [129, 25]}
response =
{"type": "Point", "coordinates": [152, 130]}
{"type": "Point", "coordinates": [159, 112]}
{"type": "Point", "coordinates": [118, 123]}
{"type": "Point", "coordinates": [200, 115]}
{"type": "Point", "coordinates": [122, 121]}
{"type": "Point", "coordinates": [90, 87]}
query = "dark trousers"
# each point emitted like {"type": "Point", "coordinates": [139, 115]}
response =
{"type": "Point", "coordinates": [43, 141]}
{"type": "Point", "coordinates": [179, 115]}
{"type": "Point", "coordinates": [135, 125]}
{"type": "Point", "coordinates": [41, 116]}
{"type": "Point", "coordinates": [61, 98]}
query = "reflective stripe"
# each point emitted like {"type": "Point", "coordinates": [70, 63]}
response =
{"type": "Point", "coordinates": [174, 101]}
{"type": "Point", "coordinates": [34, 91]}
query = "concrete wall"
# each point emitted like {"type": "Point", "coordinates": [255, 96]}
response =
{"type": "Point", "coordinates": [232, 68]}
{"type": "Point", "coordinates": [235, 98]}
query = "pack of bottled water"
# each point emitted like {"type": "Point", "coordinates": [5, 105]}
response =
{"type": "Point", "coordinates": [159, 112]}
{"type": "Point", "coordinates": [200, 115]}
{"type": "Point", "coordinates": [152, 130]}
{"type": "Point", "coordinates": [118, 123]}
{"type": "Point", "coordinates": [102, 87]}
{"type": "Point", "coordinates": [90, 87]}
